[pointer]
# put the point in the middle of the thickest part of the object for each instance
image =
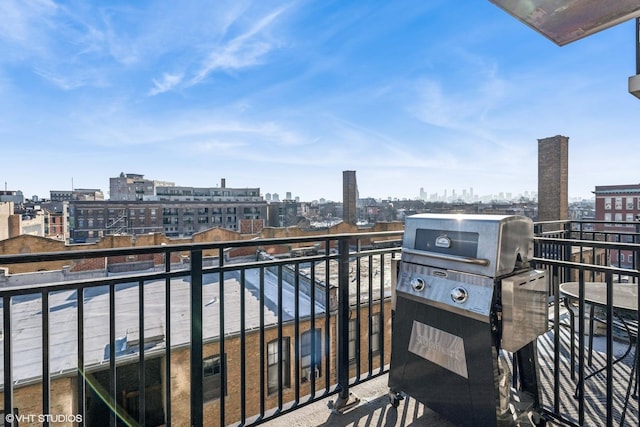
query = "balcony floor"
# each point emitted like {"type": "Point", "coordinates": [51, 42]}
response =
{"type": "Point", "coordinates": [375, 409]}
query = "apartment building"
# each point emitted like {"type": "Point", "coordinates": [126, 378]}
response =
{"type": "Point", "coordinates": [619, 204]}
{"type": "Point", "coordinates": [141, 206]}
{"type": "Point", "coordinates": [76, 194]}
{"type": "Point", "coordinates": [56, 220]}
{"type": "Point", "coordinates": [17, 220]}
{"type": "Point", "coordinates": [6, 210]}
{"type": "Point", "coordinates": [11, 196]}
{"type": "Point", "coordinates": [133, 187]}
{"type": "Point", "coordinates": [95, 220]}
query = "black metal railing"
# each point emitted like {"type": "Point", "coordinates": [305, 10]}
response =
{"type": "Point", "coordinates": [237, 333]}
{"type": "Point", "coordinates": [581, 391]}
{"type": "Point", "coordinates": [215, 333]}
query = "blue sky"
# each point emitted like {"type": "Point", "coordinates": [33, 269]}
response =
{"type": "Point", "coordinates": [285, 95]}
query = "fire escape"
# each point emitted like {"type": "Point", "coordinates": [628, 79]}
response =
{"type": "Point", "coordinates": [119, 225]}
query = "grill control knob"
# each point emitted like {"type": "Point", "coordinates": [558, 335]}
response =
{"type": "Point", "coordinates": [459, 294]}
{"type": "Point", "coordinates": [417, 283]}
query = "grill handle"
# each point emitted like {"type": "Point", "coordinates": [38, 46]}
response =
{"type": "Point", "coordinates": [465, 260]}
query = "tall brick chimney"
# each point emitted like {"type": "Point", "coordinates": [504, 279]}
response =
{"type": "Point", "coordinates": [553, 178]}
{"type": "Point", "coordinates": [349, 197]}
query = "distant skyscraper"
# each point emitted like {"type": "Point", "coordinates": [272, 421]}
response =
{"type": "Point", "coordinates": [349, 196]}
{"type": "Point", "coordinates": [553, 178]}
{"type": "Point", "coordinates": [288, 195]}
{"type": "Point", "coordinates": [267, 197]}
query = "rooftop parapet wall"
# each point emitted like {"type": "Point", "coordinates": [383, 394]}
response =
{"type": "Point", "coordinates": [25, 244]}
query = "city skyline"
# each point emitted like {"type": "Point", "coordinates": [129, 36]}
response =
{"type": "Point", "coordinates": [285, 95]}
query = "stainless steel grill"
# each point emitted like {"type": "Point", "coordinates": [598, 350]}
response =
{"type": "Point", "coordinates": [465, 295]}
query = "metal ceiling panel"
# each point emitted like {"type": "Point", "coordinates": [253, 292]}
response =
{"type": "Point", "coordinates": [565, 21]}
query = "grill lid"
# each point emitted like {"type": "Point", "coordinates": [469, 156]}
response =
{"type": "Point", "coordinates": [490, 245]}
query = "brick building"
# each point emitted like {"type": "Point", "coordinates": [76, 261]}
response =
{"type": "Point", "coordinates": [260, 332]}
{"type": "Point", "coordinates": [93, 220]}
{"type": "Point", "coordinates": [620, 205]}
{"type": "Point", "coordinates": [141, 206]}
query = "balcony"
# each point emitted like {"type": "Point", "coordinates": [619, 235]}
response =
{"type": "Point", "coordinates": [239, 333]}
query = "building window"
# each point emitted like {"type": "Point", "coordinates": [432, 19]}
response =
{"type": "Point", "coordinates": [375, 333]}
{"type": "Point", "coordinates": [630, 203]}
{"type": "Point", "coordinates": [629, 217]}
{"type": "Point", "coordinates": [311, 354]}
{"type": "Point", "coordinates": [272, 369]}
{"type": "Point", "coordinates": [212, 371]}
{"type": "Point", "coordinates": [607, 203]}
{"type": "Point", "coordinates": [618, 217]}
{"type": "Point", "coordinates": [607, 217]}
{"type": "Point", "coordinates": [353, 338]}
{"type": "Point", "coordinates": [630, 258]}
{"type": "Point", "coordinates": [618, 203]}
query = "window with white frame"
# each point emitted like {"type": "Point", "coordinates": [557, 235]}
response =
{"type": "Point", "coordinates": [376, 336]}
{"type": "Point", "coordinates": [607, 203]}
{"type": "Point", "coordinates": [607, 217]}
{"type": "Point", "coordinates": [630, 203]}
{"type": "Point", "coordinates": [618, 202]}
{"type": "Point", "coordinates": [353, 338]}
{"type": "Point", "coordinates": [618, 217]}
{"type": "Point", "coordinates": [629, 217]}
{"type": "Point", "coordinates": [272, 362]}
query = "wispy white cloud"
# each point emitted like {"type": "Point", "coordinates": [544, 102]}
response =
{"type": "Point", "coordinates": [168, 82]}
{"type": "Point", "coordinates": [25, 31]}
{"type": "Point", "coordinates": [245, 50]}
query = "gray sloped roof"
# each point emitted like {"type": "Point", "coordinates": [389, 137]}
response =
{"type": "Point", "coordinates": [63, 347]}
